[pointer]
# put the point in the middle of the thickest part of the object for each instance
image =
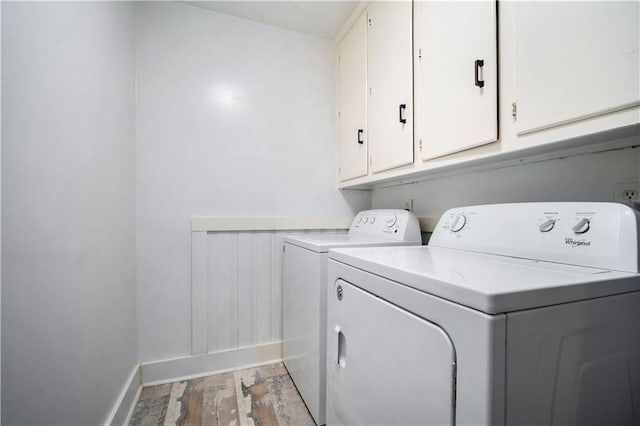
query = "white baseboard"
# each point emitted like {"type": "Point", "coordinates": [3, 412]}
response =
{"type": "Point", "coordinates": [189, 367]}
{"type": "Point", "coordinates": [123, 408]}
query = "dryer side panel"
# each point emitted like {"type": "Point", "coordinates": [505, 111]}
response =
{"type": "Point", "coordinates": [304, 322]}
{"type": "Point", "coordinates": [385, 365]}
{"type": "Point", "coordinates": [576, 363]}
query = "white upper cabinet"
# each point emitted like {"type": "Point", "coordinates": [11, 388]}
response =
{"type": "Point", "coordinates": [352, 102]}
{"type": "Point", "coordinates": [575, 61]}
{"type": "Point", "coordinates": [389, 71]}
{"type": "Point", "coordinates": [455, 72]}
{"type": "Point", "coordinates": [486, 83]}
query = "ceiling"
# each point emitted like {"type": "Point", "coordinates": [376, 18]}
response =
{"type": "Point", "coordinates": [318, 18]}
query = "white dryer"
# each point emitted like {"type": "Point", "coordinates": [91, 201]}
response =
{"type": "Point", "coordinates": [305, 294]}
{"type": "Point", "coordinates": [514, 314]}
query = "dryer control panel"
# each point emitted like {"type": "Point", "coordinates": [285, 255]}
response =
{"type": "Point", "coordinates": [394, 224]}
{"type": "Point", "coordinates": [599, 235]}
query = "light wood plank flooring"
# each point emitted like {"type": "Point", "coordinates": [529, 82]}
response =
{"type": "Point", "coordinates": [260, 396]}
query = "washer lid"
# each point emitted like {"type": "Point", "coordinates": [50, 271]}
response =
{"type": "Point", "coordinates": [489, 283]}
{"type": "Point", "coordinates": [321, 243]}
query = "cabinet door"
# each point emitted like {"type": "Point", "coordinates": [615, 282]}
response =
{"type": "Point", "coordinates": [389, 69]}
{"type": "Point", "coordinates": [352, 102]}
{"type": "Point", "coordinates": [456, 76]}
{"type": "Point", "coordinates": [576, 60]}
{"type": "Point", "coordinates": [385, 366]}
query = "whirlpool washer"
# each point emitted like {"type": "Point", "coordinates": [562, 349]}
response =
{"type": "Point", "coordinates": [305, 294]}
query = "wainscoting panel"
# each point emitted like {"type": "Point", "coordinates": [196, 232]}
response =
{"type": "Point", "coordinates": [222, 291]}
{"type": "Point", "coordinates": [237, 288]}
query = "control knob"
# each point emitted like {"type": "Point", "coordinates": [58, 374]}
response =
{"type": "Point", "coordinates": [547, 225]}
{"type": "Point", "coordinates": [582, 226]}
{"type": "Point", "coordinates": [458, 223]}
{"type": "Point", "coordinates": [391, 220]}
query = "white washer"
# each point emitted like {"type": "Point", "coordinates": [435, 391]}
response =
{"type": "Point", "coordinates": [513, 314]}
{"type": "Point", "coordinates": [305, 294]}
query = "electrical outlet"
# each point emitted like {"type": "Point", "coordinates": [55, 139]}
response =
{"type": "Point", "coordinates": [627, 192]}
{"type": "Point", "coordinates": [407, 204]}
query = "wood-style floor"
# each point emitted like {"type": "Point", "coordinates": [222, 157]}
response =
{"type": "Point", "coordinates": [260, 396]}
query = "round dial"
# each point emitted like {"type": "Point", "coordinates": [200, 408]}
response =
{"type": "Point", "coordinates": [390, 220]}
{"type": "Point", "coordinates": [547, 225]}
{"type": "Point", "coordinates": [366, 219]}
{"type": "Point", "coordinates": [582, 226]}
{"type": "Point", "coordinates": [373, 219]}
{"type": "Point", "coordinates": [458, 223]}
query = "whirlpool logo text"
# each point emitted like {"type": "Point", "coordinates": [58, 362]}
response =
{"type": "Point", "coordinates": [577, 243]}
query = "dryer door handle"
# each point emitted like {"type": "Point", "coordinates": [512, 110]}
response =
{"type": "Point", "coordinates": [341, 358]}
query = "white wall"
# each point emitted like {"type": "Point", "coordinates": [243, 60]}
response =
{"type": "Point", "coordinates": [589, 177]}
{"type": "Point", "coordinates": [68, 247]}
{"type": "Point", "coordinates": [233, 118]}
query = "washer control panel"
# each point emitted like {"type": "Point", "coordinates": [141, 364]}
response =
{"type": "Point", "coordinates": [395, 224]}
{"type": "Point", "coordinates": [601, 235]}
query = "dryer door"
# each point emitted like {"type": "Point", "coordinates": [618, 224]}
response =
{"type": "Point", "coordinates": [385, 366]}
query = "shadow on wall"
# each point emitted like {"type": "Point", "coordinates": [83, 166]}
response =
{"type": "Point", "coordinates": [587, 177]}
{"type": "Point", "coordinates": [356, 198]}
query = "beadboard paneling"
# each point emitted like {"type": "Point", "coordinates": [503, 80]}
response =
{"type": "Point", "coordinates": [237, 288]}
{"type": "Point", "coordinates": [222, 291]}
{"type": "Point", "coordinates": [199, 320]}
